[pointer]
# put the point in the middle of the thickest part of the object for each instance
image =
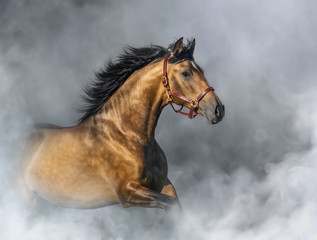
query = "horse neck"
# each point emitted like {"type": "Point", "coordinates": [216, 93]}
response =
{"type": "Point", "coordinates": [136, 106]}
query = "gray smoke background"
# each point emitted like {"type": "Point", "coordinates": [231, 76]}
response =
{"type": "Point", "coordinates": [252, 176]}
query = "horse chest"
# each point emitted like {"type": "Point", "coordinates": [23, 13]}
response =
{"type": "Point", "coordinates": [155, 170]}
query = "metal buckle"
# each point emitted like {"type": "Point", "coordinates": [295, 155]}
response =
{"type": "Point", "coordinates": [164, 81]}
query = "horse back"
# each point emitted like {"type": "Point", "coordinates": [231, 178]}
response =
{"type": "Point", "coordinates": [47, 126]}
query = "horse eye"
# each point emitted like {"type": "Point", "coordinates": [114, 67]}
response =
{"type": "Point", "coordinates": [186, 74]}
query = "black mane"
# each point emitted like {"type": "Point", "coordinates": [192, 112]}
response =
{"type": "Point", "coordinates": [114, 74]}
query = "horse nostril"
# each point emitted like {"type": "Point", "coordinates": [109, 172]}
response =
{"type": "Point", "coordinates": [220, 111]}
{"type": "Point", "coordinates": [217, 111]}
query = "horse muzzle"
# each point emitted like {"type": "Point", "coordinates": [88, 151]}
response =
{"type": "Point", "coordinates": [216, 114]}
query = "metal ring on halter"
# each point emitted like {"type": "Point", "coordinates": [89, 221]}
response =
{"type": "Point", "coordinates": [194, 104]}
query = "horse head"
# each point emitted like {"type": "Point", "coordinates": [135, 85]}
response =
{"type": "Point", "coordinates": [187, 86]}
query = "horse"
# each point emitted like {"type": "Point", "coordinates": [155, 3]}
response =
{"type": "Point", "coordinates": [111, 156]}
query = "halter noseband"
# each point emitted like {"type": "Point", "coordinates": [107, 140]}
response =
{"type": "Point", "coordinates": [193, 103]}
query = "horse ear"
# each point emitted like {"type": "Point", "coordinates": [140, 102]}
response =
{"type": "Point", "coordinates": [178, 46]}
{"type": "Point", "coordinates": [191, 47]}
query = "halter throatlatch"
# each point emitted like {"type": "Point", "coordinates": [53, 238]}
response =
{"type": "Point", "coordinates": [193, 102]}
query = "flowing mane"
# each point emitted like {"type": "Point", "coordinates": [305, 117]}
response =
{"type": "Point", "coordinates": [109, 79]}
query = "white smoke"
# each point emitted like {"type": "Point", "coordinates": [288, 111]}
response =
{"type": "Point", "coordinates": [252, 176]}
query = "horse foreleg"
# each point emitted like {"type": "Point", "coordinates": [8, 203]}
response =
{"type": "Point", "coordinates": [139, 196]}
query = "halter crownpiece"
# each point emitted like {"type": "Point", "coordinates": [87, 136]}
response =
{"type": "Point", "coordinates": [193, 102]}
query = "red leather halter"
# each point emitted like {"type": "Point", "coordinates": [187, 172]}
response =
{"type": "Point", "coordinates": [193, 102]}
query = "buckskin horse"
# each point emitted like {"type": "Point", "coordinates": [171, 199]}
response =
{"type": "Point", "coordinates": [111, 155]}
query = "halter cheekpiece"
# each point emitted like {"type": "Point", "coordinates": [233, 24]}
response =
{"type": "Point", "coordinates": [193, 102]}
